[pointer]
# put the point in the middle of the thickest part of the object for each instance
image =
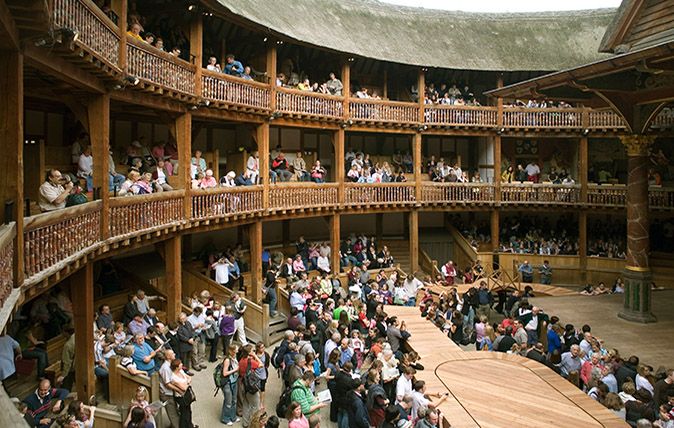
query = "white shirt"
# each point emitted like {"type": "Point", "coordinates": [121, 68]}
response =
{"type": "Point", "coordinates": [195, 321]}
{"type": "Point", "coordinates": [85, 165]}
{"type": "Point", "coordinates": [221, 273]}
{"type": "Point", "coordinates": [165, 375]}
{"type": "Point", "coordinates": [411, 287]}
{"type": "Point", "coordinates": [323, 264]}
{"type": "Point", "coordinates": [403, 388]}
{"type": "Point", "coordinates": [48, 194]}
{"type": "Point", "coordinates": [161, 177]}
{"type": "Point", "coordinates": [642, 382]}
{"type": "Point", "coordinates": [532, 169]}
{"type": "Point", "coordinates": [418, 400]}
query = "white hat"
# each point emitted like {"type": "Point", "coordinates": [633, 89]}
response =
{"type": "Point", "coordinates": [209, 173]}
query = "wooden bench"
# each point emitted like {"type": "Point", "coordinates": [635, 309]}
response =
{"type": "Point", "coordinates": [123, 385]}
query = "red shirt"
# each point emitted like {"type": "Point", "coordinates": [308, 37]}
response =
{"type": "Point", "coordinates": [243, 365]}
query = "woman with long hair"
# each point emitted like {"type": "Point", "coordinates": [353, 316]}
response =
{"type": "Point", "coordinates": [230, 372]}
{"type": "Point", "coordinates": [140, 399]}
{"type": "Point", "coordinates": [138, 420]}
{"type": "Point", "coordinates": [183, 393]}
{"type": "Point", "coordinates": [295, 417]}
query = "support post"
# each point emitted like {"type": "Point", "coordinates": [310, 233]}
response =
{"type": "Point", "coordinates": [338, 142]}
{"type": "Point", "coordinates": [495, 231]}
{"type": "Point", "coordinates": [263, 151]}
{"type": "Point", "coordinates": [271, 74]}
{"type": "Point", "coordinates": [379, 226]}
{"type": "Point", "coordinates": [174, 277]}
{"type": "Point", "coordinates": [82, 286]}
{"type": "Point", "coordinates": [499, 104]}
{"type": "Point", "coordinates": [99, 133]}
{"type": "Point", "coordinates": [121, 8]}
{"type": "Point", "coordinates": [583, 167]}
{"type": "Point", "coordinates": [197, 49]}
{"type": "Point", "coordinates": [414, 240]}
{"type": "Point", "coordinates": [421, 84]}
{"type": "Point", "coordinates": [285, 226]}
{"type": "Point", "coordinates": [335, 235]}
{"type": "Point", "coordinates": [582, 246]}
{"type": "Point", "coordinates": [346, 82]}
{"type": "Point", "coordinates": [637, 273]}
{"type": "Point", "coordinates": [416, 158]}
{"type": "Point", "coordinates": [256, 274]}
{"type": "Point", "coordinates": [11, 161]}
{"type": "Point", "coordinates": [497, 168]}
{"type": "Point", "coordinates": [183, 124]}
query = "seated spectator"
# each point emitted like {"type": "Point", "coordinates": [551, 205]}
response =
{"type": "Point", "coordinates": [44, 400]}
{"type": "Point", "coordinates": [334, 85]}
{"type": "Point", "coordinates": [280, 166]}
{"type": "Point", "coordinates": [143, 185]}
{"type": "Point", "coordinates": [85, 168]}
{"type": "Point", "coordinates": [134, 31]}
{"type": "Point", "coordinates": [243, 179]}
{"type": "Point", "coordinates": [159, 177]}
{"type": "Point", "coordinates": [143, 355]}
{"type": "Point", "coordinates": [54, 191]}
{"type": "Point", "coordinates": [208, 181]}
{"type": "Point", "coordinates": [300, 168]}
{"type": "Point", "coordinates": [318, 173]}
{"type": "Point", "coordinates": [233, 67]}
{"type": "Point", "coordinates": [213, 65]}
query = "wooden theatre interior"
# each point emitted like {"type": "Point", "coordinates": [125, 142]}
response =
{"type": "Point", "coordinates": [68, 67]}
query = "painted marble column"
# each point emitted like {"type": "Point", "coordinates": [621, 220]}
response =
{"type": "Point", "coordinates": [637, 273]}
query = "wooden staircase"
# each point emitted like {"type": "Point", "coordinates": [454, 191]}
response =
{"type": "Point", "coordinates": [400, 250]}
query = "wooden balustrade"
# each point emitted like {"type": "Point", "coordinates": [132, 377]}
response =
{"type": "Point", "coordinates": [664, 119]}
{"type": "Point", "coordinates": [301, 195]}
{"type": "Point", "coordinates": [95, 30]}
{"type": "Point", "coordinates": [7, 237]}
{"type": "Point", "coordinates": [607, 195]}
{"type": "Point", "coordinates": [160, 68]}
{"type": "Point", "coordinates": [373, 110]}
{"type": "Point", "coordinates": [379, 194]}
{"type": "Point", "coordinates": [604, 119]}
{"type": "Point", "coordinates": [557, 118]}
{"type": "Point", "coordinates": [291, 101]}
{"type": "Point", "coordinates": [51, 238]}
{"type": "Point", "coordinates": [540, 193]}
{"type": "Point", "coordinates": [130, 214]}
{"type": "Point", "coordinates": [225, 201]}
{"type": "Point", "coordinates": [448, 115]}
{"type": "Point", "coordinates": [434, 193]}
{"type": "Point", "coordinates": [234, 90]}
{"type": "Point", "coordinates": [659, 197]}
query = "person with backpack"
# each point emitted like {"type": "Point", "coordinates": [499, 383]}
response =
{"type": "Point", "coordinates": [227, 328]}
{"type": "Point", "coordinates": [301, 393]}
{"type": "Point", "coordinates": [250, 383]}
{"type": "Point", "coordinates": [262, 371]}
{"type": "Point", "coordinates": [226, 377]}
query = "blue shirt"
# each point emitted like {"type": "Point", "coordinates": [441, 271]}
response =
{"type": "Point", "coordinates": [140, 352]}
{"type": "Point", "coordinates": [7, 347]}
{"type": "Point", "coordinates": [265, 256]}
{"type": "Point", "coordinates": [235, 68]}
{"type": "Point", "coordinates": [346, 355]}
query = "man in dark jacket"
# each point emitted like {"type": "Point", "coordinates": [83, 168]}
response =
{"type": "Point", "coordinates": [344, 384]}
{"type": "Point", "coordinates": [43, 400]}
{"type": "Point", "coordinates": [357, 410]}
{"type": "Point", "coordinates": [627, 371]}
{"type": "Point", "coordinates": [186, 339]}
{"type": "Point", "coordinates": [507, 342]}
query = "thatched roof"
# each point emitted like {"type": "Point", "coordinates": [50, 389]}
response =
{"type": "Point", "coordinates": [433, 38]}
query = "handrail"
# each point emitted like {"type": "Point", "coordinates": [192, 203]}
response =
{"type": "Point", "coordinates": [301, 195]}
{"type": "Point", "coordinates": [540, 193]}
{"type": "Point", "coordinates": [293, 101]}
{"type": "Point", "coordinates": [234, 90]}
{"type": "Point", "coordinates": [226, 201]}
{"type": "Point", "coordinates": [145, 212]}
{"type": "Point", "coordinates": [156, 66]}
{"type": "Point", "coordinates": [456, 192]}
{"type": "Point", "coordinates": [451, 115]}
{"type": "Point", "coordinates": [7, 237]}
{"type": "Point", "coordinates": [522, 117]}
{"type": "Point", "coordinates": [604, 119]}
{"type": "Point", "coordinates": [369, 109]}
{"type": "Point", "coordinates": [379, 193]}
{"type": "Point", "coordinates": [95, 30]}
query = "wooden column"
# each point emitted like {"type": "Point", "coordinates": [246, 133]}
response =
{"type": "Point", "coordinates": [499, 104]}
{"type": "Point", "coordinates": [338, 138]}
{"type": "Point", "coordinates": [416, 157]}
{"type": "Point", "coordinates": [256, 274]}
{"type": "Point", "coordinates": [346, 82]}
{"type": "Point", "coordinates": [285, 232]}
{"type": "Point", "coordinates": [414, 240]}
{"type": "Point", "coordinates": [82, 290]}
{"type": "Point", "coordinates": [497, 167]}
{"type": "Point", "coordinates": [174, 277]}
{"type": "Point", "coordinates": [271, 73]}
{"type": "Point", "coordinates": [197, 49]}
{"type": "Point", "coordinates": [183, 124]}
{"type": "Point", "coordinates": [583, 167]}
{"type": "Point", "coordinates": [385, 86]}
{"type": "Point", "coordinates": [335, 235]}
{"type": "Point", "coordinates": [121, 8]}
{"type": "Point", "coordinates": [495, 231]}
{"type": "Point", "coordinates": [263, 150]}
{"type": "Point", "coordinates": [11, 161]}
{"type": "Point", "coordinates": [582, 246]}
{"type": "Point", "coordinates": [99, 133]}
{"type": "Point", "coordinates": [421, 84]}
{"type": "Point", "coordinates": [379, 227]}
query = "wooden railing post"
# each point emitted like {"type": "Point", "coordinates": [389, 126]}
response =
{"type": "Point", "coordinates": [582, 247]}
{"type": "Point", "coordinates": [495, 231]}
{"type": "Point", "coordinates": [11, 161]}
{"type": "Point", "coordinates": [183, 124]}
{"type": "Point", "coordinates": [256, 274]}
{"type": "Point", "coordinates": [197, 50]}
{"type": "Point", "coordinates": [99, 133]}
{"type": "Point", "coordinates": [174, 277]}
{"type": "Point", "coordinates": [263, 151]}
{"type": "Point", "coordinates": [121, 8]}
{"type": "Point", "coordinates": [414, 240]}
{"type": "Point", "coordinates": [338, 142]}
{"type": "Point", "coordinates": [499, 105]}
{"type": "Point", "coordinates": [335, 239]}
{"type": "Point", "coordinates": [346, 82]}
{"type": "Point", "coordinates": [82, 292]}
{"type": "Point", "coordinates": [421, 84]}
{"type": "Point", "coordinates": [583, 167]}
{"type": "Point", "coordinates": [497, 167]}
{"type": "Point", "coordinates": [271, 74]}
{"type": "Point", "coordinates": [417, 166]}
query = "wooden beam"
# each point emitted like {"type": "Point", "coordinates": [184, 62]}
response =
{"type": "Point", "coordinates": [262, 138]}
{"type": "Point", "coordinates": [582, 246]}
{"type": "Point", "coordinates": [82, 291]}
{"type": "Point", "coordinates": [497, 167]}
{"type": "Point", "coordinates": [335, 238]}
{"type": "Point", "coordinates": [121, 8]}
{"type": "Point", "coordinates": [346, 82]}
{"type": "Point", "coordinates": [9, 34]}
{"type": "Point", "coordinates": [197, 49]}
{"type": "Point", "coordinates": [174, 282]}
{"type": "Point", "coordinates": [414, 240]}
{"type": "Point", "coordinates": [338, 138]}
{"type": "Point", "coordinates": [11, 161]}
{"type": "Point", "coordinates": [271, 67]}
{"type": "Point", "coordinates": [583, 167]}
{"type": "Point", "coordinates": [149, 101]}
{"type": "Point", "coordinates": [184, 144]}
{"type": "Point", "coordinates": [416, 157]}
{"type": "Point", "coordinates": [421, 85]}
{"type": "Point", "coordinates": [98, 113]}
{"type": "Point", "coordinates": [495, 231]}
{"type": "Point", "coordinates": [43, 60]}
{"type": "Point", "coordinates": [256, 274]}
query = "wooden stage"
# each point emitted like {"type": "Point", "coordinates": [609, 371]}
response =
{"type": "Point", "coordinates": [494, 389]}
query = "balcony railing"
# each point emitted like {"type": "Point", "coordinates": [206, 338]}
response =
{"type": "Point", "coordinates": [51, 238]}
{"type": "Point", "coordinates": [132, 214]}
{"type": "Point", "coordinates": [234, 90]}
{"type": "Point", "coordinates": [7, 237]}
{"type": "Point", "coordinates": [365, 194]}
{"type": "Point", "coordinates": [301, 195]}
{"type": "Point", "coordinates": [554, 118]}
{"type": "Point", "coordinates": [664, 119]}
{"type": "Point", "coordinates": [604, 119]}
{"type": "Point", "coordinates": [612, 195]}
{"type": "Point", "coordinates": [540, 193]}
{"type": "Point", "coordinates": [95, 30]}
{"type": "Point", "coordinates": [226, 201]}
{"type": "Point", "coordinates": [291, 101]}
{"type": "Point", "coordinates": [160, 68]}
{"type": "Point", "coordinates": [659, 197]}
{"type": "Point", "coordinates": [372, 110]}
{"type": "Point", "coordinates": [447, 115]}
{"type": "Point", "coordinates": [441, 193]}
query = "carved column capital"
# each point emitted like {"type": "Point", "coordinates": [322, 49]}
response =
{"type": "Point", "coordinates": [637, 145]}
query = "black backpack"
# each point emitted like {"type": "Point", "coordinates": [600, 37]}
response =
{"type": "Point", "coordinates": [284, 401]}
{"type": "Point", "coordinates": [251, 381]}
{"type": "Point", "coordinates": [276, 359]}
